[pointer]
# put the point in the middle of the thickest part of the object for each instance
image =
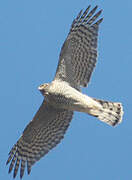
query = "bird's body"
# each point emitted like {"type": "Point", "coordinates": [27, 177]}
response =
{"type": "Point", "coordinates": [63, 95]}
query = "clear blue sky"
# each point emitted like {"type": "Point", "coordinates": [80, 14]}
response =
{"type": "Point", "coordinates": [31, 35]}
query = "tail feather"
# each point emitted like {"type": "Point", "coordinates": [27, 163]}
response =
{"type": "Point", "coordinates": [111, 112]}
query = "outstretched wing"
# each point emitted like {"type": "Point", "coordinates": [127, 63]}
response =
{"type": "Point", "coordinates": [79, 51]}
{"type": "Point", "coordinates": [42, 134]}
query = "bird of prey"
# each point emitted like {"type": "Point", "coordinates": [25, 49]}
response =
{"type": "Point", "coordinates": [63, 95]}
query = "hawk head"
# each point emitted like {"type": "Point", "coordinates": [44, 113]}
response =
{"type": "Point", "coordinates": [44, 88]}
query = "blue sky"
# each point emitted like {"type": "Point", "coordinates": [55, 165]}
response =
{"type": "Point", "coordinates": [31, 36]}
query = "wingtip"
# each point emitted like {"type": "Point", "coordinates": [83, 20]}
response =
{"type": "Point", "coordinates": [10, 169]}
{"type": "Point", "coordinates": [7, 162]}
{"type": "Point", "coordinates": [29, 171]}
{"type": "Point", "coordinates": [14, 175]}
{"type": "Point", "coordinates": [21, 174]}
{"type": "Point", "coordinates": [89, 6]}
{"type": "Point", "coordinates": [95, 7]}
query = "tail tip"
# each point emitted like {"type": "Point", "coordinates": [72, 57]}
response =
{"type": "Point", "coordinates": [112, 113]}
{"type": "Point", "coordinates": [120, 113]}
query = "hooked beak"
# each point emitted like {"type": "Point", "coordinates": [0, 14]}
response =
{"type": "Point", "coordinates": [40, 87]}
{"type": "Point", "coordinates": [42, 90]}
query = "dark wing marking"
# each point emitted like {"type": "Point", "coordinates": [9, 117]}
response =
{"type": "Point", "coordinates": [79, 52]}
{"type": "Point", "coordinates": [42, 134]}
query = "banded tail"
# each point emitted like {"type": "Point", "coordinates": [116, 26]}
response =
{"type": "Point", "coordinates": [111, 112]}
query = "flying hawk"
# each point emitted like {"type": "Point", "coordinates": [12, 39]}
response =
{"type": "Point", "coordinates": [63, 95]}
